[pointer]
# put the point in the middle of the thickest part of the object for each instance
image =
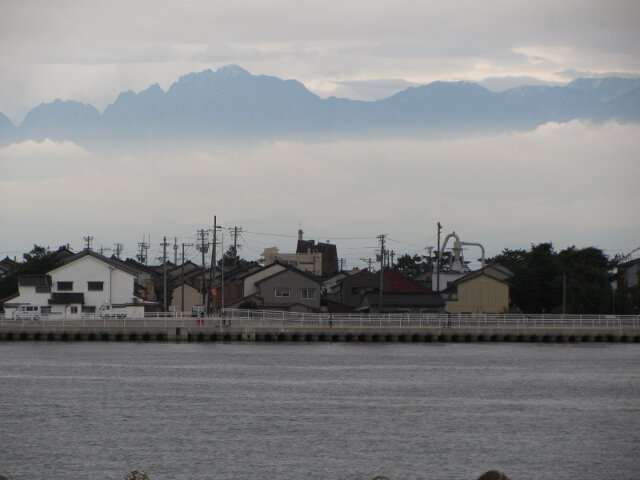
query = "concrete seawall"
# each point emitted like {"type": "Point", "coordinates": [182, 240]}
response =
{"type": "Point", "coordinates": [215, 333]}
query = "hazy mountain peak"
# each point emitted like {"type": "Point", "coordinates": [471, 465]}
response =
{"type": "Point", "coordinates": [231, 70]}
{"type": "Point", "coordinates": [232, 103]}
{"type": "Point", "coordinates": [606, 88]}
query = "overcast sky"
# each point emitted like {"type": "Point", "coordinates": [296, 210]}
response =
{"type": "Point", "coordinates": [571, 184]}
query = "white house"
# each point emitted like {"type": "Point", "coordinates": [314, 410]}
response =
{"type": "Point", "coordinates": [83, 284]}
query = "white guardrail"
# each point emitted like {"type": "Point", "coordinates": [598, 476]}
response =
{"type": "Point", "coordinates": [268, 318]}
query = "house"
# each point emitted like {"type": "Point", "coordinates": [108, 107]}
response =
{"type": "Point", "coordinates": [281, 287]}
{"type": "Point", "coordinates": [482, 291]}
{"type": "Point", "coordinates": [360, 292]}
{"type": "Point", "coordinates": [331, 282]}
{"type": "Point", "coordinates": [229, 284]}
{"type": "Point", "coordinates": [404, 302]}
{"type": "Point", "coordinates": [80, 285]}
{"type": "Point", "coordinates": [354, 288]}
{"type": "Point", "coordinates": [7, 266]}
{"type": "Point", "coordinates": [630, 275]}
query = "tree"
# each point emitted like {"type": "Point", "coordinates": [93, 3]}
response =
{"type": "Point", "coordinates": [410, 267]}
{"type": "Point", "coordinates": [540, 275]}
{"type": "Point", "coordinates": [39, 260]}
{"type": "Point", "coordinates": [414, 266]}
{"type": "Point", "coordinates": [232, 259]}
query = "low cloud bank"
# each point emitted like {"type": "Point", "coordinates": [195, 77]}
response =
{"type": "Point", "coordinates": [571, 183]}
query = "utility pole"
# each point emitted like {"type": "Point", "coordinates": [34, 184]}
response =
{"type": "Point", "coordinates": [203, 247]}
{"type": "Point", "coordinates": [119, 247]}
{"type": "Point", "coordinates": [142, 255]}
{"type": "Point", "coordinates": [221, 274]}
{"type": "Point", "coordinates": [381, 237]}
{"type": "Point", "coordinates": [164, 271]}
{"type": "Point", "coordinates": [236, 231]}
{"type": "Point", "coordinates": [182, 275]}
{"type": "Point", "coordinates": [437, 262]}
{"type": "Point", "coordinates": [88, 240]}
{"type": "Point", "coordinates": [213, 254]}
{"type": "Point", "coordinates": [564, 293]}
{"type": "Point", "coordinates": [368, 261]}
{"type": "Point", "coordinates": [175, 251]}
{"type": "Point", "coordinates": [342, 264]}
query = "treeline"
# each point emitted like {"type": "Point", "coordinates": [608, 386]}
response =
{"type": "Point", "coordinates": [573, 281]}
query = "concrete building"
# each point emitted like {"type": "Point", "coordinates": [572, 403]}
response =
{"type": "Point", "coordinates": [319, 259]}
{"type": "Point", "coordinates": [307, 262]}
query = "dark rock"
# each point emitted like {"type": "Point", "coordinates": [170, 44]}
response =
{"type": "Point", "coordinates": [137, 475]}
{"type": "Point", "coordinates": [493, 475]}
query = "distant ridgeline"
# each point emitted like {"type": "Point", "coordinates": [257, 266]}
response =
{"type": "Point", "coordinates": [232, 104]}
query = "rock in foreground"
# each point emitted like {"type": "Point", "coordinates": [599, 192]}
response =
{"type": "Point", "coordinates": [493, 475]}
{"type": "Point", "coordinates": [137, 475]}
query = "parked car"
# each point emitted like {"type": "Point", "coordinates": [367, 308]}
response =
{"type": "Point", "coordinates": [27, 312]}
{"type": "Point", "coordinates": [106, 310]}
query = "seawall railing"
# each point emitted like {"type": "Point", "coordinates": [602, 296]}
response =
{"type": "Point", "coordinates": [275, 319]}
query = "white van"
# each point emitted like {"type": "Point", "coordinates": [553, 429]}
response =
{"type": "Point", "coordinates": [27, 312]}
{"type": "Point", "coordinates": [107, 311]}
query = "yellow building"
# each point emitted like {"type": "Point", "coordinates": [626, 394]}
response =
{"type": "Point", "coordinates": [482, 291]}
{"type": "Point", "coordinates": [307, 262]}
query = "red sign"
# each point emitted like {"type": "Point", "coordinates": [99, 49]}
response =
{"type": "Point", "coordinates": [214, 291]}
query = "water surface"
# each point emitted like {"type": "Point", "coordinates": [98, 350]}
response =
{"type": "Point", "coordinates": [318, 411]}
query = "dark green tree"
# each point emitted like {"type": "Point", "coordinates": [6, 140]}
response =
{"type": "Point", "coordinates": [232, 259]}
{"type": "Point", "coordinates": [543, 279]}
{"type": "Point", "coordinates": [411, 267]}
{"type": "Point", "coordinates": [39, 260]}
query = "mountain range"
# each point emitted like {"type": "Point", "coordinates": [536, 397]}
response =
{"type": "Point", "coordinates": [232, 104]}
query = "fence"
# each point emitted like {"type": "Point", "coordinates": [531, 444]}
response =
{"type": "Point", "coordinates": [268, 318]}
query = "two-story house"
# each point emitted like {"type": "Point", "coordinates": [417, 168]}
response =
{"type": "Point", "coordinates": [281, 287]}
{"type": "Point", "coordinates": [81, 285]}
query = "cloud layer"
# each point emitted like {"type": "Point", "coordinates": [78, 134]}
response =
{"type": "Point", "coordinates": [571, 184]}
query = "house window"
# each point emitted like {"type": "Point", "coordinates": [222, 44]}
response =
{"type": "Point", "coordinates": [308, 293]}
{"type": "Point", "coordinates": [283, 292]}
{"type": "Point", "coordinates": [88, 309]}
{"type": "Point", "coordinates": [95, 286]}
{"type": "Point", "coordinates": [73, 309]}
{"type": "Point", "coordinates": [65, 286]}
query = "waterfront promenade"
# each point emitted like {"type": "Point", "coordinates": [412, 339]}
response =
{"type": "Point", "coordinates": [270, 326]}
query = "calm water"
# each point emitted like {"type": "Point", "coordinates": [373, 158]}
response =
{"type": "Point", "coordinates": [320, 411]}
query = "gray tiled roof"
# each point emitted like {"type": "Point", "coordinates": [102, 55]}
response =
{"type": "Point", "coordinates": [36, 280]}
{"type": "Point", "coordinates": [407, 299]}
{"type": "Point", "coordinates": [66, 298]}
